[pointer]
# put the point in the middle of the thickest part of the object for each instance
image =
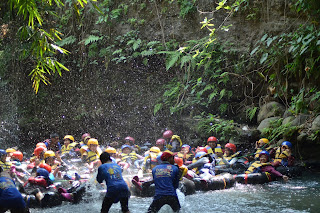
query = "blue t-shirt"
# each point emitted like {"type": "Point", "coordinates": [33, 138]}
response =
{"type": "Point", "coordinates": [10, 197]}
{"type": "Point", "coordinates": [55, 149]}
{"type": "Point", "coordinates": [111, 173]}
{"type": "Point", "coordinates": [166, 179]}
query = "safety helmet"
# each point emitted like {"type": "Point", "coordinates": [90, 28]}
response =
{"type": "Point", "coordinates": [212, 139]}
{"type": "Point", "coordinates": [178, 161]}
{"type": "Point", "coordinates": [161, 141]}
{"type": "Point", "coordinates": [125, 146]}
{"type": "Point", "coordinates": [200, 154]}
{"type": "Point", "coordinates": [85, 135]}
{"type": "Point", "coordinates": [231, 146]}
{"type": "Point", "coordinates": [201, 149]}
{"type": "Point", "coordinates": [92, 141]}
{"type": "Point", "coordinates": [41, 144]}
{"type": "Point", "coordinates": [38, 150]}
{"type": "Point", "coordinates": [186, 145]}
{"type": "Point", "coordinates": [49, 153]}
{"type": "Point", "coordinates": [287, 143]}
{"type": "Point", "coordinates": [46, 167]}
{"type": "Point", "coordinates": [167, 134]}
{"type": "Point", "coordinates": [10, 150]}
{"type": "Point", "coordinates": [17, 155]}
{"type": "Point", "coordinates": [155, 149]}
{"type": "Point", "coordinates": [111, 150]}
{"type": "Point", "coordinates": [131, 139]}
{"type": "Point", "coordinates": [43, 172]}
{"type": "Point", "coordinates": [264, 152]}
{"type": "Point", "coordinates": [264, 140]}
{"type": "Point", "coordinates": [2, 152]}
{"type": "Point", "coordinates": [70, 137]}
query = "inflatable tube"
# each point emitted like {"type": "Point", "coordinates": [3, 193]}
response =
{"type": "Point", "coordinates": [220, 170]}
{"type": "Point", "coordinates": [292, 171]}
{"type": "Point", "coordinates": [254, 178]}
{"type": "Point", "coordinates": [218, 182]}
{"type": "Point", "coordinates": [187, 187]}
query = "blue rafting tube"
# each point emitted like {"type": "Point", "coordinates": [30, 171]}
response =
{"type": "Point", "coordinates": [254, 178]}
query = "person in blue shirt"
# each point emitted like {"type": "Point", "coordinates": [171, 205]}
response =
{"type": "Point", "coordinates": [166, 179]}
{"type": "Point", "coordinates": [117, 188]}
{"type": "Point", "coordinates": [53, 143]}
{"type": "Point", "coordinates": [10, 197]}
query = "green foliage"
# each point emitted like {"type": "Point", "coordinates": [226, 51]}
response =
{"type": "Point", "coordinates": [211, 124]}
{"type": "Point", "coordinates": [276, 131]}
{"type": "Point", "coordinates": [251, 112]}
{"type": "Point", "coordinates": [187, 7]}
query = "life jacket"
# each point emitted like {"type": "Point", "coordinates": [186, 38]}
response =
{"type": "Point", "coordinates": [71, 146]}
{"type": "Point", "coordinates": [91, 156]}
{"type": "Point", "coordinates": [181, 155]}
{"type": "Point", "coordinates": [153, 160]}
{"type": "Point", "coordinates": [228, 158]}
{"type": "Point", "coordinates": [281, 157]}
{"type": "Point", "coordinates": [131, 156]}
{"type": "Point", "coordinates": [6, 165]}
{"type": "Point", "coordinates": [210, 150]}
{"type": "Point", "coordinates": [255, 167]}
{"type": "Point", "coordinates": [174, 137]}
{"type": "Point", "coordinates": [84, 149]}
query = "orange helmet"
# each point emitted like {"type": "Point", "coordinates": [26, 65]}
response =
{"type": "Point", "coordinates": [201, 149]}
{"type": "Point", "coordinates": [45, 166]}
{"type": "Point", "coordinates": [39, 150]}
{"type": "Point", "coordinates": [17, 155]}
{"type": "Point", "coordinates": [41, 144]}
{"type": "Point", "coordinates": [178, 161]}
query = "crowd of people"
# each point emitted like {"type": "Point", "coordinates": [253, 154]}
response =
{"type": "Point", "coordinates": [27, 182]}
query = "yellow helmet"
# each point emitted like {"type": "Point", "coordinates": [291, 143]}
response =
{"type": "Point", "coordinates": [49, 153]}
{"type": "Point", "coordinates": [10, 150]}
{"type": "Point", "coordinates": [111, 150]}
{"type": "Point", "coordinates": [92, 141]}
{"type": "Point", "coordinates": [264, 140]}
{"type": "Point", "coordinates": [70, 137]}
{"type": "Point", "coordinates": [155, 149]}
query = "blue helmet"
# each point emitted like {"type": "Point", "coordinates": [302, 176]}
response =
{"type": "Point", "coordinates": [125, 146]}
{"type": "Point", "coordinates": [2, 152]}
{"type": "Point", "coordinates": [43, 172]}
{"type": "Point", "coordinates": [186, 145]}
{"type": "Point", "coordinates": [264, 152]}
{"type": "Point", "coordinates": [287, 143]}
{"type": "Point", "coordinates": [200, 154]}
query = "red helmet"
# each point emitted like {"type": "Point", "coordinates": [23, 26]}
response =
{"type": "Point", "coordinates": [231, 146]}
{"type": "Point", "coordinates": [161, 141]}
{"type": "Point", "coordinates": [167, 134]}
{"type": "Point", "coordinates": [85, 135]}
{"type": "Point", "coordinates": [212, 138]}
{"type": "Point", "coordinates": [202, 149]}
{"type": "Point", "coordinates": [178, 161]}
{"type": "Point", "coordinates": [131, 139]}
{"type": "Point", "coordinates": [46, 167]}
{"type": "Point", "coordinates": [38, 150]}
{"type": "Point", "coordinates": [17, 155]}
{"type": "Point", "coordinates": [41, 144]}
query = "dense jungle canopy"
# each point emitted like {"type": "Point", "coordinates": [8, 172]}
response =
{"type": "Point", "coordinates": [136, 67]}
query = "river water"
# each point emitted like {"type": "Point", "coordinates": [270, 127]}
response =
{"type": "Point", "coordinates": [300, 194]}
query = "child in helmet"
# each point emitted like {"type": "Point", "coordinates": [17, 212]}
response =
{"type": "Point", "coordinates": [262, 144]}
{"type": "Point", "coordinates": [203, 167]}
{"type": "Point", "coordinates": [284, 155]}
{"type": "Point", "coordinates": [130, 157]}
{"type": "Point", "coordinates": [161, 144]}
{"type": "Point", "coordinates": [173, 142]}
{"type": "Point", "coordinates": [92, 154]}
{"type": "Point", "coordinates": [185, 154]}
{"type": "Point", "coordinates": [263, 165]}
{"type": "Point", "coordinates": [229, 157]}
{"type": "Point", "coordinates": [150, 161]}
{"type": "Point", "coordinates": [69, 147]}
{"type": "Point", "coordinates": [131, 142]}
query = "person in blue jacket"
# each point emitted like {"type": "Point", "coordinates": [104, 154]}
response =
{"type": "Point", "coordinates": [117, 188]}
{"type": "Point", "coordinates": [166, 179]}
{"type": "Point", "coordinates": [10, 197]}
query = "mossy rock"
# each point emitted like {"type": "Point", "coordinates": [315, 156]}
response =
{"type": "Point", "coordinates": [271, 109]}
